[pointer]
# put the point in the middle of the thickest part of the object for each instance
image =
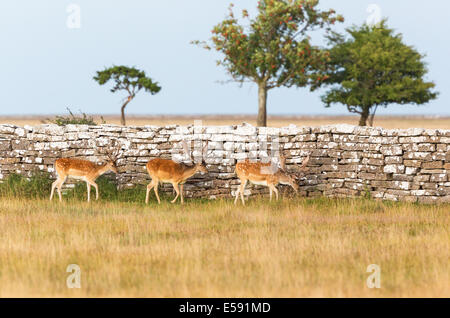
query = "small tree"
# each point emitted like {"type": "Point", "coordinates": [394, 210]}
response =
{"type": "Point", "coordinates": [273, 50]}
{"type": "Point", "coordinates": [374, 68]}
{"type": "Point", "coordinates": [128, 79]}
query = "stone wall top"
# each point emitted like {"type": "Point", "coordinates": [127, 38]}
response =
{"type": "Point", "coordinates": [244, 129]}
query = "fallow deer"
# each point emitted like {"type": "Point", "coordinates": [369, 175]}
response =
{"type": "Point", "coordinates": [85, 170]}
{"type": "Point", "coordinates": [265, 174]}
{"type": "Point", "coordinates": [169, 171]}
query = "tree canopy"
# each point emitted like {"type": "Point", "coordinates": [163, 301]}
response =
{"type": "Point", "coordinates": [372, 67]}
{"type": "Point", "coordinates": [273, 49]}
{"type": "Point", "coordinates": [128, 79]}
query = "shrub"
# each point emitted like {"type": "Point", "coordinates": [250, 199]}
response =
{"type": "Point", "coordinates": [72, 119]}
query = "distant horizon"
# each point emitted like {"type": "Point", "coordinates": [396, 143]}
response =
{"type": "Point", "coordinates": [149, 115]}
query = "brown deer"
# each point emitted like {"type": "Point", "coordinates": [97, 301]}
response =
{"type": "Point", "coordinates": [264, 174]}
{"type": "Point", "coordinates": [85, 170]}
{"type": "Point", "coordinates": [169, 171]}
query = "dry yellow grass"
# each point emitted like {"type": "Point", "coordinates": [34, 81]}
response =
{"type": "Point", "coordinates": [390, 122]}
{"type": "Point", "coordinates": [293, 248]}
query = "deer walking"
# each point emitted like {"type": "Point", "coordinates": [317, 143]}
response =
{"type": "Point", "coordinates": [169, 171]}
{"type": "Point", "coordinates": [259, 173]}
{"type": "Point", "coordinates": [85, 170]}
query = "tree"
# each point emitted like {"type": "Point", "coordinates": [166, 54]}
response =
{"type": "Point", "coordinates": [273, 50]}
{"type": "Point", "coordinates": [373, 68]}
{"type": "Point", "coordinates": [128, 79]}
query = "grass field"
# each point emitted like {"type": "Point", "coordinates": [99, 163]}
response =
{"type": "Point", "coordinates": [274, 121]}
{"type": "Point", "coordinates": [293, 248]}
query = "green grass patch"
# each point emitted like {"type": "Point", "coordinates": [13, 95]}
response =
{"type": "Point", "coordinates": [108, 192]}
{"type": "Point", "coordinates": [36, 186]}
{"type": "Point", "coordinates": [39, 184]}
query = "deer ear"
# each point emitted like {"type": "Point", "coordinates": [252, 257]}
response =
{"type": "Point", "coordinates": [304, 164]}
{"type": "Point", "coordinates": [282, 160]}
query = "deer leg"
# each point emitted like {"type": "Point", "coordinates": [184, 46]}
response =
{"type": "Point", "coordinates": [270, 194]}
{"type": "Point", "coordinates": [88, 186]}
{"type": "Point", "coordinates": [54, 184]}
{"type": "Point", "coordinates": [237, 196]}
{"type": "Point", "coordinates": [149, 188]}
{"type": "Point", "coordinates": [96, 189]}
{"type": "Point", "coordinates": [147, 194]}
{"type": "Point", "coordinates": [155, 188]}
{"type": "Point", "coordinates": [177, 190]}
{"type": "Point", "coordinates": [276, 191]}
{"type": "Point", "coordinates": [181, 193]}
{"type": "Point", "coordinates": [241, 192]}
{"type": "Point", "coordinates": [59, 186]}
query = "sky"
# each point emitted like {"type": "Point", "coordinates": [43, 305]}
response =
{"type": "Point", "coordinates": [48, 60]}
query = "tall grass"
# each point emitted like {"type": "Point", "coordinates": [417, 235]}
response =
{"type": "Point", "coordinates": [291, 248]}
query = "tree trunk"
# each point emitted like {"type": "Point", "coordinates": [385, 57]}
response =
{"type": "Point", "coordinates": [262, 105]}
{"type": "Point", "coordinates": [372, 116]}
{"type": "Point", "coordinates": [122, 118]}
{"type": "Point", "coordinates": [364, 116]}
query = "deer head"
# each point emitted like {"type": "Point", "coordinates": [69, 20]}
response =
{"type": "Point", "coordinates": [112, 154]}
{"type": "Point", "coordinates": [200, 166]}
{"type": "Point", "coordinates": [302, 169]}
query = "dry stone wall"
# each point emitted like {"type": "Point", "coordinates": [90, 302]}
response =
{"type": "Point", "coordinates": [407, 165]}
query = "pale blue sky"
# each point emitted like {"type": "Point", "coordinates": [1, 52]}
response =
{"type": "Point", "coordinates": [46, 66]}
